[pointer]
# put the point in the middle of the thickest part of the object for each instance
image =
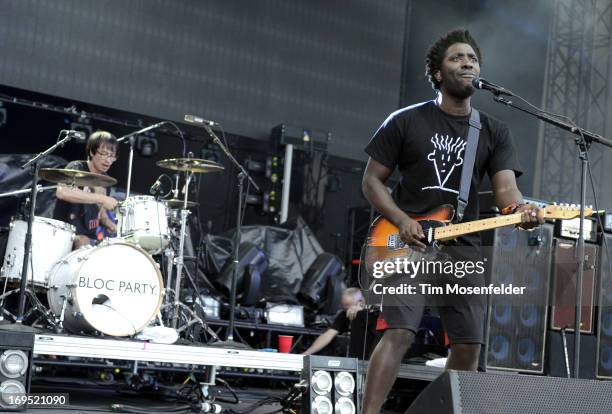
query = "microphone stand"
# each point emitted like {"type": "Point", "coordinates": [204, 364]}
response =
{"type": "Point", "coordinates": [35, 164]}
{"type": "Point", "coordinates": [131, 137]}
{"type": "Point", "coordinates": [229, 342]}
{"type": "Point", "coordinates": [583, 141]}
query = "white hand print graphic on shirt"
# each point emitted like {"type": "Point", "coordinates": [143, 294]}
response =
{"type": "Point", "coordinates": [446, 155]}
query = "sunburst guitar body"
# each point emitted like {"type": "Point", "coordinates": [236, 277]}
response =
{"type": "Point", "coordinates": [385, 244]}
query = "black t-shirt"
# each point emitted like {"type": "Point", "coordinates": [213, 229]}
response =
{"type": "Point", "coordinates": [83, 216]}
{"type": "Point", "coordinates": [358, 331]}
{"type": "Point", "coordinates": [427, 145]}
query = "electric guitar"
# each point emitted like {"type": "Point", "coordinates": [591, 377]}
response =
{"type": "Point", "coordinates": [384, 244]}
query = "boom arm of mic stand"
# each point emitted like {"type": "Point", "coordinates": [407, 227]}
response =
{"type": "Point", "coordinates": [589, 136]}
{"type": "Point", "coordinates": [141, 131]}
{"type": "Point", "coordinates": [48, 151]}
{"type": "Point", "coordinates": [230, 156]}
{"type": "Point", "coordinates": [130, 137]}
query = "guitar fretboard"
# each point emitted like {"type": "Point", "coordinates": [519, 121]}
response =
{"type": "Point", "coordinates": [455, 230]}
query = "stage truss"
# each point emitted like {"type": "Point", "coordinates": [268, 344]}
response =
{"type": "Point", "coordinates": [576, 85]}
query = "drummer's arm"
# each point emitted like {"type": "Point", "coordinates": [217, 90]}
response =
{"type": "Point", "coordinates": [78, 196]}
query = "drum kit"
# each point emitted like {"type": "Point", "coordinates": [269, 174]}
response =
{"type": "Point", "coordinates": [115, 288]}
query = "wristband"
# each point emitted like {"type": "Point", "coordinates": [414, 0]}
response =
{"type": "Point", "coordinates": [511, 208]}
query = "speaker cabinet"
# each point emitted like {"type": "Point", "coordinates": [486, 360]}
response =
{"type": "Point", "coordinates": [332, 385]}
{"type": "Point", "coordinates": [456, 392]}
{"type": "Point", "coordinates": [604, 333]}
{"type": "Point", "coordinates": [15, 367]}
{"type": "Point", "coordinates": [564, 285]}
{"type": "Point", "coordinates": [555, 357]}
{"type": "Point", "coordinates": [516, 330]}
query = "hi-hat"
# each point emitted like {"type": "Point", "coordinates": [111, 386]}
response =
{"type": "Point", "coordinates": [176, 203]}
{"type": "Point", "coordinates": [195, 165]}
{"type": "Point", "coordinates": [76, 177]}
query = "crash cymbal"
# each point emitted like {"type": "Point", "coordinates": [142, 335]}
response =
{"type": "Point", "coordinates": [195, 165]}
{"type": "Point", "coordinates": [176, 203]}
{"type": "Point", "coordinates": [76, 177]}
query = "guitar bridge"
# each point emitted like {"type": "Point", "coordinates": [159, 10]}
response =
{"type": "Point", "coordinates": [394, 241]}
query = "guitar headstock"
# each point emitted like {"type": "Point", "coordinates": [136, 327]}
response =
{"type": "Point", "coordinates": [565, 211]}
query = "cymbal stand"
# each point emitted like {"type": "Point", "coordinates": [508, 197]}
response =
{"type": "Point", "coordinates": [179, 259]}
{"type": "Point", "coordinates": [35, 165]}
{"type": "Point", "coordinates": [39, 188]}
{"type": "Point", "coordinates": [169, 251]}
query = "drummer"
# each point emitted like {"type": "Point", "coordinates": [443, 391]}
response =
{"type": "Point", "coordinates": [86, 208]}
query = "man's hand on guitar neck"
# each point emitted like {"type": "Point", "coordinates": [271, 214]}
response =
{"type": "Point", "coordinates": [411, 232]}
{"type": "Point", "coordinates": [532, 216]}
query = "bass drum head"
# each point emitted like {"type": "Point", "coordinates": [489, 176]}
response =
{"type": "Point", "coordinates": [116, 289]}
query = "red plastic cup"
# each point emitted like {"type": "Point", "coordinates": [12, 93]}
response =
{"type": "Point", "coordinates": [284, 343]}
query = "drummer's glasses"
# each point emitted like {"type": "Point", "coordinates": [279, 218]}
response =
{"type": "Point", "coordinates": [108, 155]}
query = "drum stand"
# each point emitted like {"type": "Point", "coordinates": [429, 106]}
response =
{"type": "Point", "coordinates": [36, 306]}
{"type": "Point", "coordinates": [178, 260]}
{"type": "Point", "coordinates": [169, 253]}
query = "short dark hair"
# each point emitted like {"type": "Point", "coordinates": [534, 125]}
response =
{"type": "Point", "coordinates": [436, 52]}
{"type": "Point", "coordinates": [98, 139]}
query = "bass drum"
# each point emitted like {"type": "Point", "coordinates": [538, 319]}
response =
{"type": "Point", "coordinates": [114, 288]}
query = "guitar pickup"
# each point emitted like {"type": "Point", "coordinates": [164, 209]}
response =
{"type": "Point", "coordinates": [394, 241]}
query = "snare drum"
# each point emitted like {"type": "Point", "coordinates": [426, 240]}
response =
{"type": "Point", "coordinates": [51, 240]}
{"type": "Point", "coordinates": [142, 220]}
{"type": "Point", "coordinates": [114, 288]}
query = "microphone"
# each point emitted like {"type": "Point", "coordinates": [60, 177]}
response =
{"type": "Point", "coordinates": [196, 120]}
{"type": "Point", "coordinates": [78, 136]}
{"type": "Point", "coordinates": [481, 83]}
{"type": "Point", "coordinates": [156, 187]}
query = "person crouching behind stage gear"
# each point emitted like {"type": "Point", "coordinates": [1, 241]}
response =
{"type": "Point", "coordinates": [85, 208]}
{"type": "Point", "coordinates": [354, 317]}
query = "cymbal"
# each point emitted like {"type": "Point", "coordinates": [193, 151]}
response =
{"type": "Point", "coordinates": [176, 203]}
{"type": "Point", "coordinates": [76, 177]}
{"type": "Point", "coordinates": [195, 165]}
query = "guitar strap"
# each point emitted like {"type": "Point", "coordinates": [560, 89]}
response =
{"type": "Point", "coordinates": [468, 163]}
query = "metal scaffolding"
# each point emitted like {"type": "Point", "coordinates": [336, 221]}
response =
{"type": "Point", "coordinates": [576, 85]}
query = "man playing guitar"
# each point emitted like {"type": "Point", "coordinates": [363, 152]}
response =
{"type": "Point", "coordinates": [427, 142]}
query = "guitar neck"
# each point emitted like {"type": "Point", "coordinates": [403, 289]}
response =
{"type": "Point", "coordinates": [455, 230]}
